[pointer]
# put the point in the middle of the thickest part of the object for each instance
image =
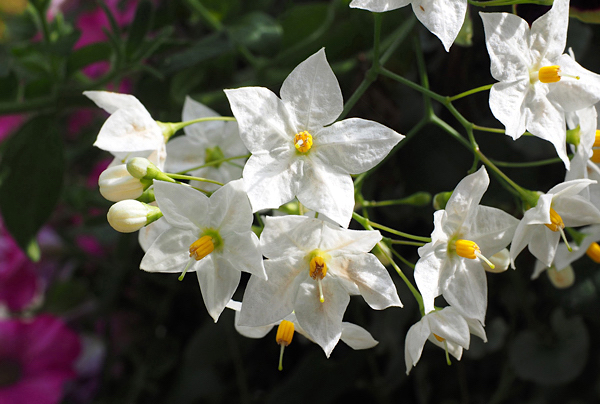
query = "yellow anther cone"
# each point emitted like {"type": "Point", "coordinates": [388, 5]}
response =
{"type": "Point", "coordinates": [303, 141]}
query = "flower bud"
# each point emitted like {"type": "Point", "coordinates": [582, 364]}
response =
{"type": "Point", "coordinates": [146, 171]}
{"type": "Point", "coordinates": [563, 278]}
{"type": "Point", "coordinates": [116, 184]}
{"type": "Point", "coordinates": [441, 199]}
{"type": "Point", "coordinates": [501, 261]}
{"type": "Point", "coordinates": [130, 215]}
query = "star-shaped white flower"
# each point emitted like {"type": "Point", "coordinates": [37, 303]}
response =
{"type": "Point", "coordinates": [297, 151]}
{"type": "Point", "coordinates": [446, 328]}
{"type": "Point", "coordinates": [313, 268]}
{"type": "Point", "coordinates": [537, 82]}
{"type": "Point", "coordinates": [353, 335]}
{"type": "Point", "coordinates": [203, 143]}
{"type": "Point", "coordinates": [129, 131]}
{"type": "Point", "coordinates": [211, 237]}
{"type": "Point", "coordinates": [464, 234]}
{"type": "Point", "coordinates": [541, 226]}
{"type": "Point", "coordinates": [444, 18]}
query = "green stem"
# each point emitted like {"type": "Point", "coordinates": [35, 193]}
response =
{"type": "Point", "coordinates": [528, 164]}
{"type": "Point", "coordinates": [216, 162]}
{"type": "Point", "coordinates": [402, 242]}
{"type": "Point", "coordinates": [367, 223]}
{"type": "Point", "coordinates": [472, 91]}
{"type": "Point", "coordinates": [175, 126]}
{"type": "Point", "coordinates": [191, 178]}
{"type": "Point", "coordinates": [486, 129]}
{"type": "Point", "coordinates": [401, 258]}
{"type": "Point", "coordinates": [414, 86]}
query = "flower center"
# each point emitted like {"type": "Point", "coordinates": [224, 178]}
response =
{"type": "Point", "coordinates": [552, 74]}
{"type": "Point", "coordinates": [596, 148]}
{"type": "Point", "coordinates": [202, 247]}
{"type": "Point", "coordinates": [469, 249]}
{"type": "Point", "coordinates": [593, 252]}
{"type": "Point", "coordinates": [10, 372]}
{"type": "Point", "coordinates": [318, 269]}
{"type": "Point", "coordinates": [557, 224]}
{"type": "Point", "coordinates": [214, 154]}
{"type": "Point", "coordinates": [303, 141]}
{"type": "Point", "coordinates": [285, 333]}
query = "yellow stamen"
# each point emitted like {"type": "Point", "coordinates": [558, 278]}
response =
{"type": "Point", "coordinates": [439, 338]}
{"type": "Point", "coordinates": [552, 74]}
{"type": "Point", "coordinates": [201, 247]}
{"type": "Point", "coordinates": [558, 225]}
{"type": "Point", "coordinates": [303, 141]}
{"type": "Point", "coordinates": [595, 156]}
{"type": "Point", "coordinates": [318, 270]}
{"type": "Point", "coordinates": [593, 252]}
{"type": "Point", "coordinates": [597, 139]}
{"type": "Point", "coordinates": [285, 333]}
{"type": "Point", "coordinates": [469, 249]}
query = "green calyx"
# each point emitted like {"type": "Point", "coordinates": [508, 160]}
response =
{"type": "Point", "coordinates": [214, 154]}
{"type": "Point", "coordinates": [216, 237]}
{"type": "Point", "coordinates": [574, 136]}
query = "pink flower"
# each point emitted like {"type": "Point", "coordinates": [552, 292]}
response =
{"type": "Point", "coordinates": [36, 358]}
{"type": "Point", "coordinates": [18, 278]}
{"type": "Point", "coordinates": [8, 124]}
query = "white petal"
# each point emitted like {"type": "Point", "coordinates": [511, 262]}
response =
{"type": "Point", "coordinates": [266, 302]}
{"type": "Point", "coordinates": [543, 243]}
{"type": "Point", "coordinates": [169, 253]}
{"type": "Point", "coordinates": [148, 234]}
{"type": "Point", "coordinates": [322, 321]}
{"type": "Point", "coordinates": [338, 240]}
{"type": "Point", "coordinates": [449, 324]}
{"type": "Point", "coordinates": [354, 145]}
{"type": "Point", "coordinates": [427, 275]}
{"type": "Point", "coordinates": [576, 211]}
{"type": "Point", "coordinates": [243, 253]}
{"type": "Point", "coordinates": [549, 32]}
{"type": "Point", "coordinates": [357, 337]}
{"type": "Point", "coordinates": [467, 290]}
{"type": "Point", "coordinates": [507, 41]}
{"type": "Point", "coordinates": [379, 6]}
{"type": "Point", "coordinates": [476, 328]}
{"type": "Point", "coordinates": [326, 191]}
{"type": "Point", "coordinates": [312, 94]}
{"type": "Point", "coordinates": [229, 209]}
{"type": "Point", "coordinates": [415, 340]}
{"type": "Point", "coordinates": [492, 230]}
{"type": "Point", "coordinates": [290, 236]}
{"type": "Point", "coordinates": [111, 102]}
{"type": "Point", "coordinates": [218, 281]}
{"type": "Point", "coordinates": [373, 280]}
{"type": "Point", "coordinates": [463, 204]}
{"type": "Point", "coordinates": [572, 94]}
{"type": "Point", "coordinates": [182, 206]}
{"type": "Point", "coordinates": [264, 121]}
{"type": "Point", "coordinates": [271, 179]}
{"type": "Point", "coordinates": [192, 110]}
{"type": "Point", "coordinates": [506, 103]}
{"type": "Point", "coordinates": [443, 18]}
{"type": "Point", "coordinates": [184, 153]}
{"type": "Point", "coordinates": [129, 130]}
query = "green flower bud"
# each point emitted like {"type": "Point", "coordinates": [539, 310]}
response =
{"type": "Point", "coordinates": [146, 171]}
{"type": "Point", "coordinates": [116, 184]}
{"type": "Point", "coordinates": [130, 215]}
{"type": "Point", "coordinates": [441, 199]}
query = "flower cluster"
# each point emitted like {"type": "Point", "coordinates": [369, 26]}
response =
{"type": "Point", "coordinates": [294, 153]}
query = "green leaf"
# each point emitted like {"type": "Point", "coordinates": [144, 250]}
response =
{"type": "Point", "coordinates": [208, 48]}
{"type": "Point", "coordinates": [31, 176]}
{"type": "Point", "coordinates": [139, 28]}
{"type": "Point", "coordinates": [259, 32]}
{"type": "Point", "coordinates": [88, 55]}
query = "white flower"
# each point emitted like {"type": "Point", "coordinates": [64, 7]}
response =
{"type": "Point", "coordinates": [541, 226]}
{"type": "Point", "coordinates": [537, 82]}
{"type": "Point", "coordinates": [212, 237]}
{"type": "Point", "coordinates": [446, 328]}
{"type": "Point", "coordinates": [313, 268]}
{"type": "Point", "coordinates": [203, 143]}
{"type": "Point", "coordinates": [443, 18]}
{"type": "Point", "coordinates": [464, 234]}
{"type": "Point", "coordinates": [294, 153]}
{"type": "Point", "coordinates": [353, 335]}
{"type": "Point", "coordinates": [129, 131]}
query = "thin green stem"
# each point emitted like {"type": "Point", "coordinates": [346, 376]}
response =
{"type": "Point", "coordinates": [396, 38]}
{"type": "Point", "coordinates": [486, 129]}
{"type": "Point", "coordinates": [527, 164]}
{"type": "Point", "coordinates": [408, 283]}
{"type": "Point", "coordinates": [402, 242]}
{"type": "Point", "coordinates": [366, 222]}
{"type": "Point", "coordinates": [423, 74]}
{"type": "Point", "coordinates": [180, 125]}
{"type": "Point", "coordinates": [472, 91]}
{"type": "Point", "coordinates": [401, 258]}
{"type": "Point", "coordinates": [215, 162]}
{"type": "Point", "coordinates": [509, 2]}
{"type": "Point", "coordinates": [384, 72]}
{"type": "Point", "coordinates": [191, 178]}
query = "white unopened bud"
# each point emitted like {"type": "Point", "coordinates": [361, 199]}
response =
{"type": "Point", "coordinates": [563, 278]}
{"type": "Point", "coordinates": [146, 171]}
{"type": "Point", "coordinates": [130, 215]}
{"type": "Point", "coordinates": [116, 184]}
{"type": "Point", "coordinates": [501, 261]}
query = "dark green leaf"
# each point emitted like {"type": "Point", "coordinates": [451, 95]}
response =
{"type": "Point", "coordinates": [87, 55]}
{"type": "Point", "coordinates": [259, 32]}
{"type": "Point", "coordinates": [208, 48]}
{"type": "Point", "coordinates": [139, 28]}
{"type": "Point", "coordinates": [31, 177]}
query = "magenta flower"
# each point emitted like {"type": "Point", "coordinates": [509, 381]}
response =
{"type": "Point", "coordinates": [37, 357]}
{"type": "Point", "coordinates": [18, 278]}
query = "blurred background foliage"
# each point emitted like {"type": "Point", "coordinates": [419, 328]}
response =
{"type": "Point", "coordinates": [153, 340]}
